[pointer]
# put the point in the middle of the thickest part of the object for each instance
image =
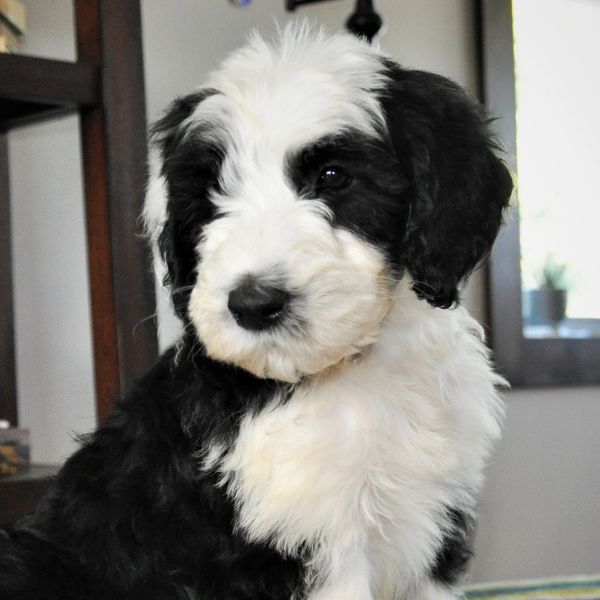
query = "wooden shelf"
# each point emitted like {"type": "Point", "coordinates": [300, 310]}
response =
{"type": "Point", "coordinates": [106, 87]}
{"type": "Point", "coordinates": [34, 89]}
{"type": "Point", "coordinates": [20, 493]}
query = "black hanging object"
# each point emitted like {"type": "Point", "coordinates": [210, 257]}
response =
{"type": "Point", "coordinates": [364, 21]}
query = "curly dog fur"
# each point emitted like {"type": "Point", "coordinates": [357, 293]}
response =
{"type": "Point", "coordinates": [321, 428]}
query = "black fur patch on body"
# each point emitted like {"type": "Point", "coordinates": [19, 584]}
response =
{"type": "Point", "coordinates": [131, 515]}
{"type": "Point", "coordinates": [457, 549]}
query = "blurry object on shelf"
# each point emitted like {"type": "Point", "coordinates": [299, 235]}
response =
{"type": "Point", "coordinates": [547, 304]}
{"type": "Point", "coordinates": [14, 449]}
{"type": "Point", "coordinates": [13, 14]}
{"type": "Point", "coordinates": [13, 23]}
{"type": "Point", "coordinates": [10, 42]}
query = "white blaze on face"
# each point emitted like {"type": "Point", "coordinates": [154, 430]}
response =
{"type": "Point", "coordinates": [338, 284]}
{"type": "Point", "coordinates": [270, 101]}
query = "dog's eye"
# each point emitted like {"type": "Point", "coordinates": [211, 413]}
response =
{"type": "Point", "coordinates": [333, 178]}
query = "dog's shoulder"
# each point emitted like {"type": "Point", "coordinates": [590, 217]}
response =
{"type": "Point", "coordinates": [131, 512]}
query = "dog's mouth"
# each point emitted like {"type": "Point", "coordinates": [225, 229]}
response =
{"type": "Point", "coordinates": [284, 338]}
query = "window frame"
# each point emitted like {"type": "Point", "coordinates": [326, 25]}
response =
{"type": "Point", "coordinates": [523, 361]}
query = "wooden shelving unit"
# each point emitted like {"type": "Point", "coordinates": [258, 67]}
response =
{"type": "Point", "coordinates": [20, 494]}
{"type": "Point", "coordinates": [34, 89]}
{"type": "Point", "coordinates": [106, 88]}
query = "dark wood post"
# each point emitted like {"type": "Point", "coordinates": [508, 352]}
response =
{"type": "Point", "coordinates": [114, 157]}
{"type": "Point", "coordinates": [8, 386]}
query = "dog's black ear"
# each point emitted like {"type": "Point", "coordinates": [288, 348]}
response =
{"type": "Point", "coordinates": [460, 186]}
{"type": "Point", "coordinates": [188, 166]}
{"type": "Point", "coordinates": [167, 132]}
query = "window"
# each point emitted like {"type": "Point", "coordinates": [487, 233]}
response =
{"type": "Point", "coordinates": [541, 74]}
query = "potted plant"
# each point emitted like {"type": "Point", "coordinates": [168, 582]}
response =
{"type": "Point", "coordinates": [547, 304]}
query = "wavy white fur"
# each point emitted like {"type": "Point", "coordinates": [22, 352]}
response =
{"type": "Point", "coordinates": [363, 461]}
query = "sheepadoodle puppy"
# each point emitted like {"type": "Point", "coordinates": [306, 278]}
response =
{"type": "Point", "coordinates": [320, 430]}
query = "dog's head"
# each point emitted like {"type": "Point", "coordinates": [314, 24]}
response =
{"type": "Point", "coordinates": [302, 182]}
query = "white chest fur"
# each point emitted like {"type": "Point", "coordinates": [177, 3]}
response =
{"type": "Point", "coordinates": [362, 464]}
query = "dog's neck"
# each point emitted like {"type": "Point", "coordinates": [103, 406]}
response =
{"type": "Point", "coordinates": [411, 331]}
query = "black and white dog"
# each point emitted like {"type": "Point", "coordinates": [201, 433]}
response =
{"type": "Point", "coordinates": [321, 428]}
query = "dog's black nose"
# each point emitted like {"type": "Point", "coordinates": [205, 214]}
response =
{"type": "Point", "coordinates": [257, 306]}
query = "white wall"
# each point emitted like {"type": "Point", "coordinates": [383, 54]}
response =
{"type": "Point", "coordinates": [540, 513]}
{"type": "Point", "coordinates": [54, 360]}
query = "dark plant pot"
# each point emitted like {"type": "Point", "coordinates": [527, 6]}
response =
{"type": "Point", "coordinates": [544, 306]}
